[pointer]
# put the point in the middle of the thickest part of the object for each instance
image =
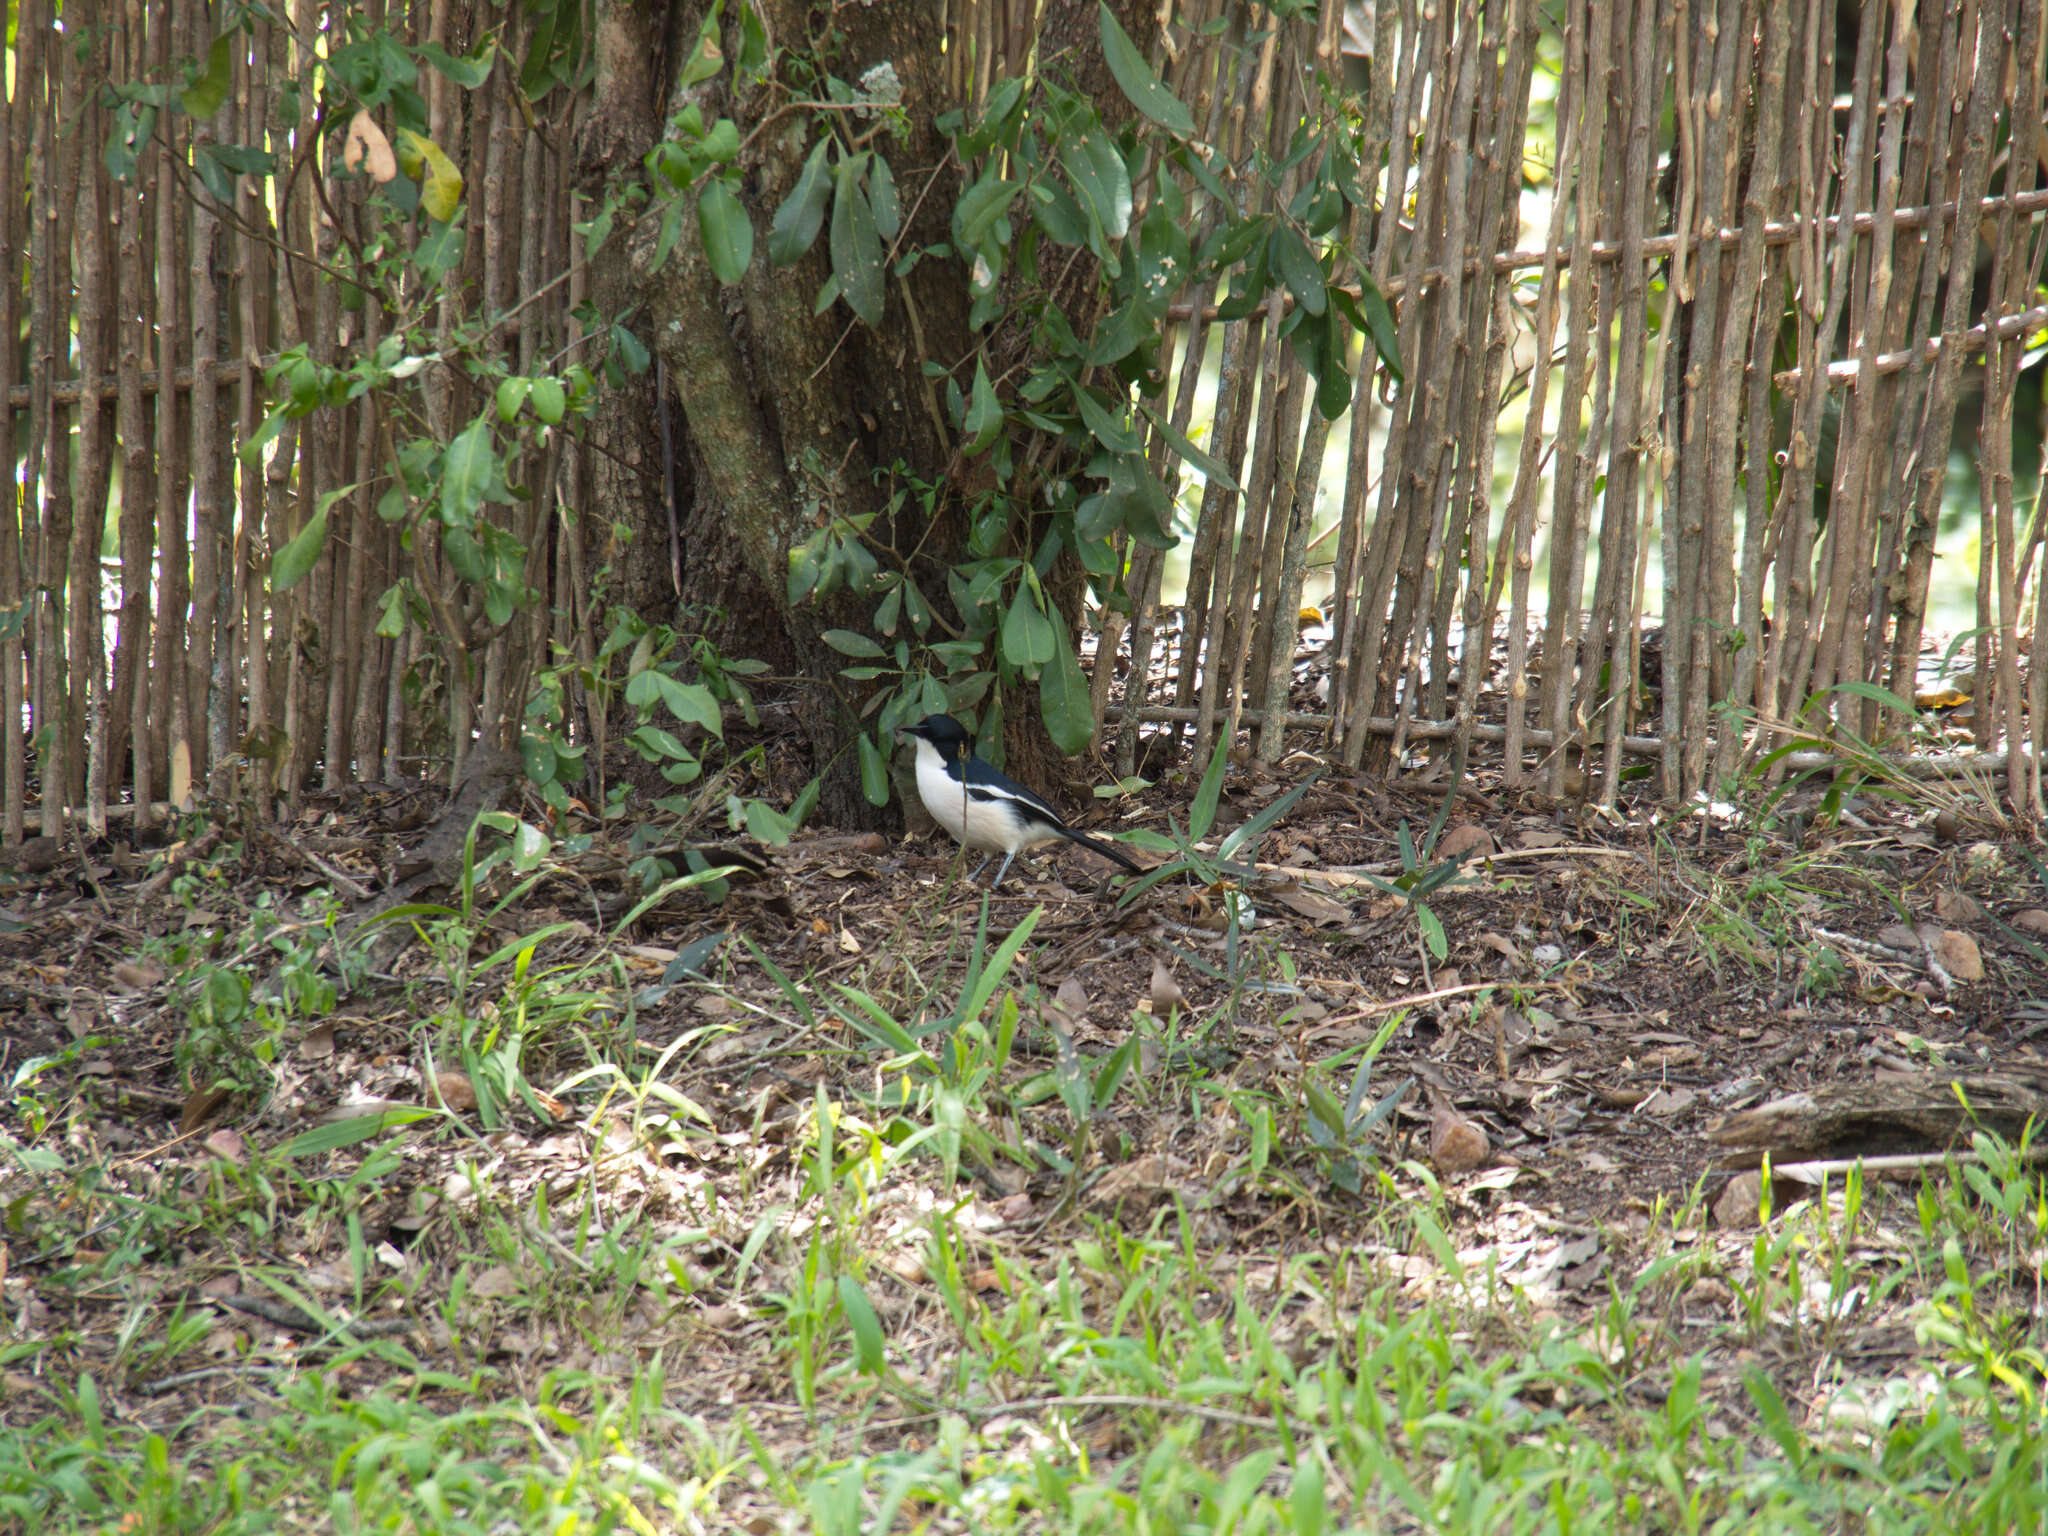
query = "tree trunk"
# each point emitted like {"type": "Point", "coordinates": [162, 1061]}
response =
{"type": "Point", "coordinates": [785, 418]}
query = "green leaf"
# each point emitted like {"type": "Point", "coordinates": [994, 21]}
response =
{"type": "Point", "coordinates": [654, 743]}
{"type": "Point", "coordinates": [1333, 380]}
{"type": "Point", "coordinates": [536, 73]}
{"type": "Point", "coordinates": [1202, 814]}
{"type": "Point", "coordinates": [671, 231]}
{"type": "Point", "coordinates": [1298, 269]}
{"type": "Point", "coordinates": [847, 643]}
{"type": "Point", "coordinates": [1135, 78]}
{"type": "Point", "coordinates": [212, 174]}
{"type": "Point", "coordinates": [297, 558]}
{"type": "Point", "coordinates": [512, 393]}
{"type": "Point", "coordinates": [467, 472]}
{"type": "Point", "coordinates": [1212, 467]}
{"type": "Point", "coordinates": [707, 58]}
{"type": "Point", "coordinates": [984, 423]}
{"type": "Point", "coordinates": [802, 213]}
{"type": "Point", "coordinates": [998, 118]}
{"type": "Point", "coordinates": [464, 554]}
{"type": "Point", "coordinates": [866, 1326]}
{"type": "Point", "coordinates": [874, 771]}
{"type": "Point", "coordinates": [132, 125]}
{"type": "Point", "coordinates": [767, 825]}
{"type": "Point", "coordinates": [439, 251]}
{"type": "Point", "coordinates": [1101, 179]}
{"type": "Point", "coordinates": [391, 612]}
{"type": "Point", "coordinates": [549, 402]}
{"type": "Point", "coordinates": [1871, 691]}
{"type": "Point", "coordinates": [208, 93]}
{"type": "Point", "coordinates": [530, 846]}
{"type": "Point", "coordinates": [632, 352]}
{"type": "Point", "coordinates": [1381, 325]}
{"type": "Point", "coordinates": [1432, 931]}
{"type": "Point", "coordinates": [1053, 206]}
{"type": "Point", "coordinates": [727, 231]}
{"type": "Point", "coordinates": [998, 966]}
{"type": "Point", "coordinates": [979, 208]}
{"type": "Point", "coordinates": [251, 452]}
{"type": "Point", "coordinates": [1027, 633]}
{"type": "Point", "coordinates": [346, 1133]}
{"type": "Point", "coordinates": [721, 142]}
{"type": "Point", "coordinates": [689, 702]}
{"type": "Point", "coordinates": [468, 71]}
{"type": "Point", "coordinates": [882, 196]}
{"type": "Point", "coordinates": [856, 245]}
{"type": "Point", "coordinates": [753, 41]}
{"type": "Point", "coordinates": [1110, 428]}
{"type": "Point", "coordinates": [1063, 697]}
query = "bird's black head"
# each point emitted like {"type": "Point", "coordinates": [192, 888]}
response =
{"type": "Point", "coordinates": [943, 732]}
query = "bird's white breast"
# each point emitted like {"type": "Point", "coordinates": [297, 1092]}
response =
{"type": "Point", "coordinates": [942, 795]}
{"type": "Point", "coordinates": [993, 824]}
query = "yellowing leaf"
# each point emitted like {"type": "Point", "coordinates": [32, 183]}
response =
{"type": "Point", "coordinates": [440, 181]}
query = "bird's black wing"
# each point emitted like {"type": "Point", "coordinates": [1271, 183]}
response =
{"type": "Point", "coordinates": [986, 784]}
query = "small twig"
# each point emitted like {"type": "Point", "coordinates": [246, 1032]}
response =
{"type": "Point", "coordinates": [165, 1384]}
{"type": "Point", "coordinates": [1814, 1171]}
{"type": "Point", "coordinates": [340, 877]}
{"type": "Point", "coordinates": [300, 1321]}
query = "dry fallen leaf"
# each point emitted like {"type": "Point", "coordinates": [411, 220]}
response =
{"type": "Point", "coordinates": [2034, 920]}
{"type": "Point", "coordinates": [1958, 955]}
{"type": "Point", "coordinates": [906, 1266]}
{"type": "Point", "coordinates": [199, 1108]}
{"type": "Point", "coordinates": [1668, 1101]}
{"type": "Point", "coordinates": [1502, 946]}
{"type": "Point", "coordinates": [457, 1092]}
{"type": "Point", "coordinates": [134, 977]}
{"type": "Point", "coordinates": [317, 1044]}
{"type": "Point", "coordinates": [1167, 995]}
{"type": "Point", "coordinates": [496, 1281]}
{"type": "Point", "coordinates": [227, 1146]}
{"type": "Point", "coordinates": [1314, 906]}
{"type": "Point", "coordinates": [1456, 1144]}
{"type": "Point", "coordinates": [1013, 1207]}
{"type": "Point", "coordinates": [1143, 1180]}
{"type": "Point", "coordinates": [1464, 840]}
{"type": "Point", "coordinates": [366, 145]}
{"type": "Point", "coordinates": [1955, 907]}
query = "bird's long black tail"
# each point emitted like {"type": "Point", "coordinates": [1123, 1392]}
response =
{"type": "Point", "coordinates": [1107, 850]}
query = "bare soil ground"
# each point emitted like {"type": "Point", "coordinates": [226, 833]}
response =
{"type": "Point", "coordinates": [1607, 994]}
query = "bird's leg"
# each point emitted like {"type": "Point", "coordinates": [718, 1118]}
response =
{"type": "Point", "coordinates": [983, 865]}
{"type": "Point", "coordinates": [1001, 872]}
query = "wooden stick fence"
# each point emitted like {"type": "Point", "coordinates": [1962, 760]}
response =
{"type": "Point", "coordinates": [1750, 341]}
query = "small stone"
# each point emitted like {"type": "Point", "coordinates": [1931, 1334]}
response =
{"type": "Point", "coordinates": [1738, 1203]}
